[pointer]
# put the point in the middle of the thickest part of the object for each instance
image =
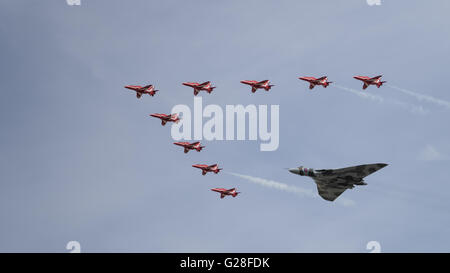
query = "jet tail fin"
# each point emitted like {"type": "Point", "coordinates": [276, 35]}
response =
{"type": "Point", "coordinates": [269, 86]}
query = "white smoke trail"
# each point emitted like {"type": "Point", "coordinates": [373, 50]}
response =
{"type": "Point", "coordinates": [411, 107]}
{"type": "Point", "coordinates": [421, 97]}
{"type": "Point", "coordinates": [408, 106]}
{"type": "Point", "coordinates": [289, 188]}
{"type": "Point", "coordinates": [365, 95]}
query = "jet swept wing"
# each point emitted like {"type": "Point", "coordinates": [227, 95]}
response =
{"type": "Point", "coordinates": [331, 183]}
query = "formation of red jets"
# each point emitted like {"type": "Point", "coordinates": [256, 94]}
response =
{"type": "Point", "coordinates": [259, 85]}
{"type": "Point", "coordinates": [207, 86]}
{"type": "Point", "coordinates": [166, 118]}
{"type": "Point", "coordinates": [148, 89]}
{"type": "Point", "coordinates": [313, 81]}
{"type": "Point", "coordinates": [190, 146]}
{"type": "Point", "coordinates": [207, 168]}
{"type": "Point", "coordinates": [370, 81]}
{"type": "Point", "coordinates": [324, 81]}
{"type": "Point", "coordinates": [224, 192]}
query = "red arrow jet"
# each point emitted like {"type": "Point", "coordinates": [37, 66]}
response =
{"type": "Point", "coordinates": [224, 192]}
{"type": "Point", "coordinates": [259, 85]}
{"type": "Point", "coordinates": [370, 81]}
{"type": "Point", "coordinates": [205, 168]}
{"type": "Point", "coordinates": [148, 89]}
{"type": "Point", "coordinates": [313, 81]}
{"type": "Point", "coordinates": [166, 118]}
{"type": "Point", "coordinates": [206, 86]}
{"type": "Point", "coordinates": [190, 146]}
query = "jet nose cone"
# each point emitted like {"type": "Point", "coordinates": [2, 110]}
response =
{"type": "Point", "coordinates": [294, 170]}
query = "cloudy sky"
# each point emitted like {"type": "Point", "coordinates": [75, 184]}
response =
{"type": "Point", "coordinates": [81, 159]}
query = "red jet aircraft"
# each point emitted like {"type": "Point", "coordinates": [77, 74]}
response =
{"type": "Point", "coordinates": [190, 146]}
{"type": "Point", "coordinates": [205, 168]}
{"type": "Point", "coordinates": [257, 85]}
{"type": "Point", "coordinates": [313, 81]}
{"type": "Point", "coordinates": [206, 86]}
{"type": "Point", "coordinates": [166, 118]}
{"type": "Point", "coordinates": [224, 192]}
{"type": "Point", "coordinates": [148, 89]}
{"type": "Point", "coordinates": [368, 81]}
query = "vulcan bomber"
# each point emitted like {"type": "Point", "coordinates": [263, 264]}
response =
{"type": "Point", "coordinates": [333, 182]}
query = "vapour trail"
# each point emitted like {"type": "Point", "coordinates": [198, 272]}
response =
{"type": "Point", "coordinates": [410, 107]}
{"type": "Point", "coordinates": [433, 203]}
{"type": "Point", "coordinates": [421, 97]}
{"type": "Point", "coordinates": [365, 95]}
{"type": "Point", "coordinates": [289, 188]}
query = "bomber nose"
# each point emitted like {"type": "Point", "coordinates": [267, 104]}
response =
{"type": "Point", "coordinates": [294, 170]}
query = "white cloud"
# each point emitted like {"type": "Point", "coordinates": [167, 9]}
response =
{"type": "Point", "coordinates": [430, 153]}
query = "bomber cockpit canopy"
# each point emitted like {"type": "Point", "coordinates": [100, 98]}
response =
{"type": "Point", "coordinates": [306, 171]}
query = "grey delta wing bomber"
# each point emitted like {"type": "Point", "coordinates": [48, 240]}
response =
{"type": "Point", "coordinates": [333, 182]}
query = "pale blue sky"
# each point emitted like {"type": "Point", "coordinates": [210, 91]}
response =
{"type": "Point", "coordinates": [81, 160]}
